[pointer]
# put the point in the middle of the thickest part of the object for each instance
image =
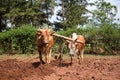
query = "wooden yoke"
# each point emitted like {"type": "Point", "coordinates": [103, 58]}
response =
{"type": "Point", "coordinates": [64, 37]}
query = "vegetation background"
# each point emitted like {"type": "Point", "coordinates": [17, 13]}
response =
{"type": "Point", "coordinates": [101, 30]}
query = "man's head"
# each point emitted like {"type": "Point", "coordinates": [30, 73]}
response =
{"type": "Point", "coordinates": [72, 45]}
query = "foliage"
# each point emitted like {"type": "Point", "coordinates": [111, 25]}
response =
{"type": "Point", "coordinates": [102, 35]}
{"type": "Point", "coordinates": [21, 12]}
{"type": "Point", "coordinates": [99, 40]}
{"type": "Point", "coordinates": [21, 39]}
{"type": "Point", "coordinates": [111, 37]}
{"type": "Point", "coordinates": [72, 13]}
{"type": "Point", "coordinates": [104, 13]}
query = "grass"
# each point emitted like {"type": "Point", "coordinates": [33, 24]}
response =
{"type": "Point", "coordinates": [18, 56]}
{"type": "Point", "coordinates": [94, 56]}
{"type": "Point", "coordinates": [102, 56]}
{"type": "Point", "coordinates": [25, 56]}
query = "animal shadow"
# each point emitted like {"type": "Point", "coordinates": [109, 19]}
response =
{"type": "Point", "coordinates": [64, 64]}
{"type": "Point", "coordinates": [36, 64]}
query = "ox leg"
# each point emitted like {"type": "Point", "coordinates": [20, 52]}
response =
{"type": "Point", "coordinates": [49, 56]}
{"type": "Point", "coordinates": [78, 57]}
{"type": "Point", "coordinates": [71, 59]}
{"type": "Point", "coordinates": [81, 54]}
{"type": "Point", "coordinates": [40, 57]}
{"type": "Point", "coordinates": [46, 58]}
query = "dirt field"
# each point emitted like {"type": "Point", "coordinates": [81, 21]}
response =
{"type": "Point", "coordinates": [93, 68]}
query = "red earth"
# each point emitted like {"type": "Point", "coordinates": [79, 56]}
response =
{"type": "Point", "coordinates": [93, 68]}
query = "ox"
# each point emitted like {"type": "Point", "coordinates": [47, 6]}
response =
{"type": "Point", "coordinates": [76, 48]}
{"type": "Point", "coordinates": [44, 44]}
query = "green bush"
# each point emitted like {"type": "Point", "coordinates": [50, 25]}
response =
{"type": "Point", "coordinates": [99, 40]}
{"type": "Point", "coordinates": [111, 38]}
{"type": "Point", "coordinates": [21, 40]}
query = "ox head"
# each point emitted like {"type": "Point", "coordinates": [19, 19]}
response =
{"type": "Point", "coordinates": [43, 35]}
{"type": "Point", "coordinates": [72, 45]}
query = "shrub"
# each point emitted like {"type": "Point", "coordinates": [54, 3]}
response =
{"type": "Point", "coordinates": [21, 39]}
{"type": "Point", "coordinates": [99, 40]}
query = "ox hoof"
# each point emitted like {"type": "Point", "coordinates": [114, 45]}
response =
{"type": "Point", "coordinates": [48, 62]}
{"type": "Point", "coordinates": [43, 62]}
{"type": "Point", "coordinates": [70, 63]}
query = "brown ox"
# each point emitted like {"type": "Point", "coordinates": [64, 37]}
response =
{"type": "Point", "coordinates": [44, 44]}
{"type": "Point", "coordinates": [75, 47]}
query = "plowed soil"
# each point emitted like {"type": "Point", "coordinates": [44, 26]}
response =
{"type": "Point", "coordinates": [93, 68]}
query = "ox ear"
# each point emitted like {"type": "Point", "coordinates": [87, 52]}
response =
{"type": "Point", "coordinates": [39, 30]}
{"type": "Point", "coordinates": [76, 43]}
{"type": "Point", "coordinates": [51, 32]}
{"type": "Point", "coordinates": [38, 33]}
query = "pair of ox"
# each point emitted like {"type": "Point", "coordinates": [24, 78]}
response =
{"type": "Point", "coordinates": [45, 43]}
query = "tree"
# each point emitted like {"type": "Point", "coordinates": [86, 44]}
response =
{"type": "Point", "coordinates": [104, 13]}
{"type": "Point", "coordinates": [21, 12]}
{"type": "Point", "coordinates": [3, 10]}
{"type": "Point", "coordinates": [73, 12]}
{"type": "Point", "coordinates": [47, 7]}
